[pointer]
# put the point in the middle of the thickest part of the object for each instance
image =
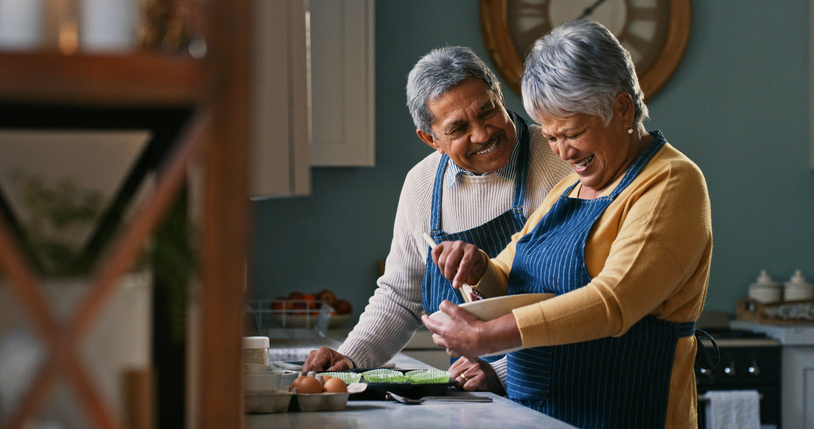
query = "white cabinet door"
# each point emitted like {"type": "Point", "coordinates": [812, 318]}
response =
{"type": "Point", "coordinates": [280, 99]}
{"type": "Point", "coordinates": [342, 83]}
{"type": "Point", "coordinates": [798, 387]}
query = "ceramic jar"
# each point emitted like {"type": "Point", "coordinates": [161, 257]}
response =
{"type": "Point", "coordinates": [797, 289]}
{"type": "Point", "coordinates": [765, 290]}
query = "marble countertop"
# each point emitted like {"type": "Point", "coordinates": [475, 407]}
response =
{"type": "Point", "coordinates": [787, 335]}
{"type": "Point", "coordinates": [501, 413]}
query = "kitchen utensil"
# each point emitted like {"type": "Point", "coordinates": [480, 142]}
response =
{"type": "Point", "coordinates": [466, 290]}
{"type": "Point", "coordinates": [492, 308]}
{"type": "Point", "coordinates": [408, 401]}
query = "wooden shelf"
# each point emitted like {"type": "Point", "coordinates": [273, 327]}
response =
{"type": "Point", "coordinates": [140, 78]}
{"type": "Point", "coordinates": [50, 87]}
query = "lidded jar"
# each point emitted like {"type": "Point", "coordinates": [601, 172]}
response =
{"type": "Point", "coordinates": [765, 290]}
{"type": "Point", "coordinates": [256, 350]}
{"type": "Point", "coordinates": [796, 289]}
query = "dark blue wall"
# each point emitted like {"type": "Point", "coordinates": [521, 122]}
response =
{"type": "Point", "coordinates": [738, 105]}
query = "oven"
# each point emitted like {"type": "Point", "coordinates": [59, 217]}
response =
{"type": "Point", "coordinates": [749, 361]}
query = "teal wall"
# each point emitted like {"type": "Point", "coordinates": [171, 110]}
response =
{"type": "Point", "coordinates": [738, 105]}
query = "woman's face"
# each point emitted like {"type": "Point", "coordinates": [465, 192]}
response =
{"type": "Point", "coordinates": [472, 127]}
{"type": "Point", "coordinates": [598, 154]}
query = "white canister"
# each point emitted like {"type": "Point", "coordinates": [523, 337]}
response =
{"type": "Point", "coordinates": [256, 351]}
{"type": "Point", "coordinates": [796, 289]}
{"type": "Point", "coordinates": [765, 290]}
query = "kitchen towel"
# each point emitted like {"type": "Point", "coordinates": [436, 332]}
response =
{"type": "Point", "coordinates": [733, 409]}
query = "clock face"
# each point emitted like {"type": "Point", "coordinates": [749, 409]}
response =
{"type": "Point", "coordinates": [655, 32]}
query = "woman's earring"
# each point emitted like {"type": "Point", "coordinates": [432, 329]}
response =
{"type": "Point", "coordinates": [630, 130]}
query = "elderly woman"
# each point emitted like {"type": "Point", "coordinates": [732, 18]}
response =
{"type": "Point", "coordinates": [624, 243]}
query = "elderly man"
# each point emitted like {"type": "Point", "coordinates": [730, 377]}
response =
{"type": "Point", "coordinates": [489, 171]}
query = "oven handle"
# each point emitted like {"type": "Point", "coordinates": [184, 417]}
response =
{"type": "Point", "coordinates": [702, 398]}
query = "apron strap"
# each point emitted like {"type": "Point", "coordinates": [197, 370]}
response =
{"type": "Point", "coordinates": [702, 356]}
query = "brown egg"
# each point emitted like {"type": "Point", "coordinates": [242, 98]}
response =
{"type": "Point", "coordinates": [296, 382]}
{"type": "Point", "coordinates": [335, 385]}
{"type": "Point", "coordinates": [309, 385]}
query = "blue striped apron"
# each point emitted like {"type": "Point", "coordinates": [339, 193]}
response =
{"type": "Point", "coordinates": [619, 382]}
{"type": "Point", "coordinates": [491, 237]}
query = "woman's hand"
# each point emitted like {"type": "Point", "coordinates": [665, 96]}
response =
{"type": "Point", "coordinates": [466, 335]}
{"type": "Point", "coordinates": [460, 262]}
{"type": "Point", "coordinates": [476, 376]}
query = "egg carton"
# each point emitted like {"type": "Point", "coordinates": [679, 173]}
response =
{"type": "Point", "coordinates": [266, 401]}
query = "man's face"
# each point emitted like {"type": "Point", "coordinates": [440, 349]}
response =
{"type": "Point", "coordinates": [472, 127]}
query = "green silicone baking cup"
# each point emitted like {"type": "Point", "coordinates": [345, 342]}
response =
{"type": "Point", "coordinates": [425, 376]}
{"type": "Point", "coordinates": [347, 377]}
{"type": "Point", "coordinates": [384, 376]}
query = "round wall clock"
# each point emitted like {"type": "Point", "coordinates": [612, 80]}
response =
{"type": "Point", "coordinates": [654, 31]}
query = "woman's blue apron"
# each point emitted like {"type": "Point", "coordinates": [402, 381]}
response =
{"type": "Point", "coordinates": [491, 237]}
{"type": "Point", "coordinates": [619, 382]}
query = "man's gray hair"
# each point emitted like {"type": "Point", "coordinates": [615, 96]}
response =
{"type": "Point", "coordinates": [579, 68]}
{"type": "Point", "coordinates": [439, 71]}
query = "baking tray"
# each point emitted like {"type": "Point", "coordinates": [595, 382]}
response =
{"type": "Point", "coordinates": [378, 391]}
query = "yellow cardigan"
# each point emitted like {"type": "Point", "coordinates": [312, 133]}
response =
{"type": "Point", "coordinates": [649, 253]}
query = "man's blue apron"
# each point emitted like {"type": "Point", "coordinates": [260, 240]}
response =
{"type": "Point", "coordinates": [619, 382]}
{"type": "Point", "coordinates": [491, 237]}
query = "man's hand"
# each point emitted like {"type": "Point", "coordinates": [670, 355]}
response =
{"type": "Point", "coordinates": [325, 359]}
{"type": "Point", "coordinates": [476, 376]}
{"type": "Point", "coordinates": [460, 262]}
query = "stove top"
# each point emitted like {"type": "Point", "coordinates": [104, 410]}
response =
{"type": "Point", "coordinates": [725, 337]}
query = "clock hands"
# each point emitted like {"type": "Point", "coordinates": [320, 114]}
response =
{"type": "Point", "coordinates": [590, 9]}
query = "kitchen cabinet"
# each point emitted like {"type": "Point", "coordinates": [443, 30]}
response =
{"type": "Point", "coordinates": [216, 137]}
{"type": "Point", "coordinates": [342, 83]}
{"type": "Point", "coordinates": [281, 126]}
{"type": "Point", "coordinates": [797, 384]}
{"type": "Point", "coordinates": [314, 95]}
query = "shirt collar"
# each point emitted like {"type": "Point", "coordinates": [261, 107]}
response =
{"type": "Point", "coordinates": [508, 171]}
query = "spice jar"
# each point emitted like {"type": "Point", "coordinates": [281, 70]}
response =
{"type": "Point", "coordinates": [765, 290]}
{"type": "Point", "coordinates": [256, 350]}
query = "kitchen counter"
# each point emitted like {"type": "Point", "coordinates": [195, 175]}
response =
{"type": "Point", "coordinates": [500, 413]}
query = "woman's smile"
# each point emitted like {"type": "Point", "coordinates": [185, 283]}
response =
{"type": "Point", "coordinates": [580, 166]}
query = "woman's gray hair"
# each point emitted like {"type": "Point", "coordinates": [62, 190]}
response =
{"type": "Point", "coordinates": [439, 71]}
{"type": "Point", "coordinates": [579, 68]}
